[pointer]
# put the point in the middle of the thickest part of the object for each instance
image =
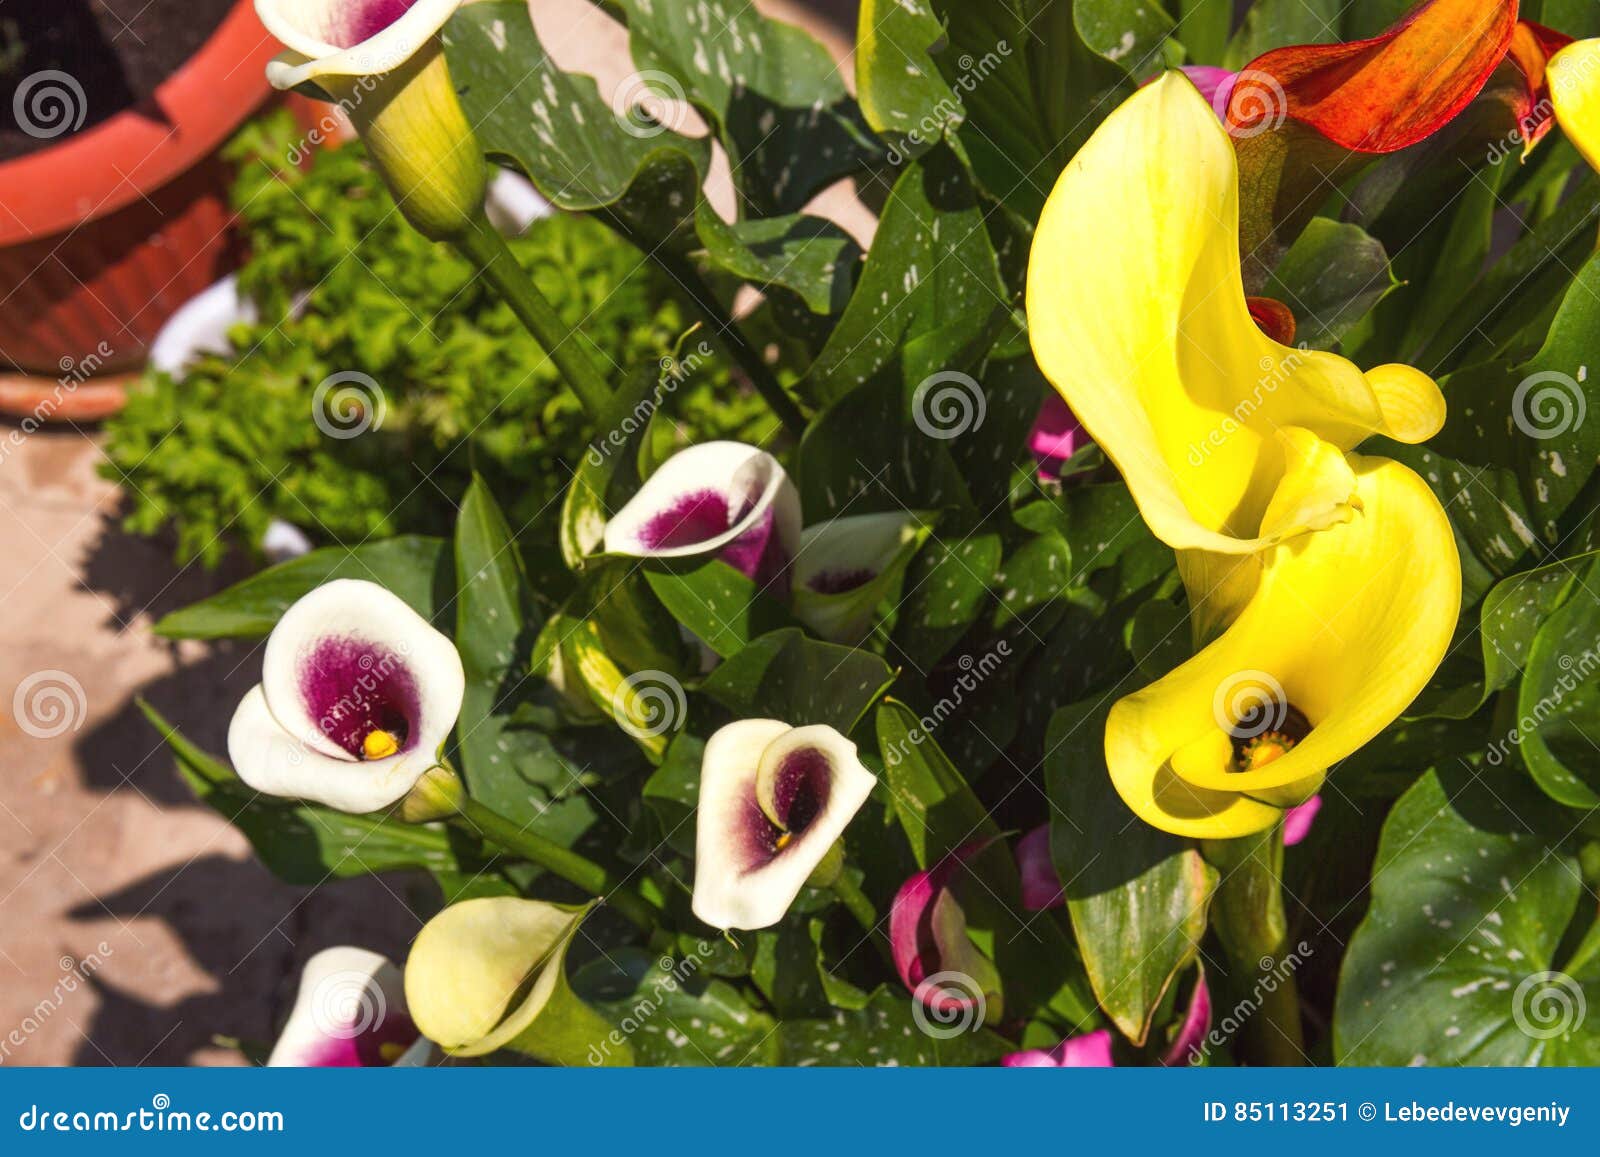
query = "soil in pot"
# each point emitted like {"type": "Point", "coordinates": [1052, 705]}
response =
{"type": "Point", "coordinates": [67, 65]}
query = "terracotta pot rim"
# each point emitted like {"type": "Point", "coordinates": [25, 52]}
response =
{"type": "Point", "coordinates": [142, 148]}
{"type": "Point", "coordinates": [22, 396]}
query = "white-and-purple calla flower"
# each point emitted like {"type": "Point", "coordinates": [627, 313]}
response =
{"type": "Point", "coordinates": [350, 1012]}
{"type": "Point", "coordinates": [348, 38]}
{"type": "Point", "coordinates": [1093, 1050]}
{"type": "Point", "coordinates": [722, 499]}
{"type": "Point", "coordinates": [357, 694]}
{"type": "Point", "coordinates": [774, 799]}
{"type": "Point", "coordinates": [846, 566]}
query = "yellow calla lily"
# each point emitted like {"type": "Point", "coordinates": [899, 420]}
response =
{"type": "Point", "coordinates": [490, 974]}
{"type": "Point", "coordinates": [1346, 626]}
{"type": "Point", "coordinates": [1137, 312]}
{"type": "Point", "coordinates": [1574, 78]}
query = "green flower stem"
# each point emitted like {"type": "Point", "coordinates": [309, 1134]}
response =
{"type": "Point", "coordinates": [1247, 915]}
{"type": "Point", "coordinates": [746, 355]}
{"type": "Point", "coordinates": [481, 244]}
{"type": "Point", "coordinates": [440, 794]}
{"type": "Point", "coordinates": [853, 898]}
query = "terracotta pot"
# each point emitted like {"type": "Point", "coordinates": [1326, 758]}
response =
{"type": "Point", "coordinates": [105, 234]}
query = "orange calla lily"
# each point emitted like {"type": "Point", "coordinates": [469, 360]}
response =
{"type": "Point", "coordinates": [1380, 95]}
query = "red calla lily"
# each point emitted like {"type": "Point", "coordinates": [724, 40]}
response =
{"type": "Point", "coordinates": [1380, 95]}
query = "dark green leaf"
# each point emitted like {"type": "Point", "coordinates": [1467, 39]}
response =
{"type": "Point", "coordinates": [787, 676]}
{"type": "Point", "coordinates": [1459, 960]}
{"type": "Point", "coordinates": [1137, 896]}
{"type": "Point", "coordinates": [415, 568]}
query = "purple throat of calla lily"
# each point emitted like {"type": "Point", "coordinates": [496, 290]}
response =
{"type": "Point", "coordinates": [355, 21]}
{"type": "Point", "coordinates": [723, 499]}
{"type": "Point", "coordinates": [365, 1047]}
{"type": "Point", "coordinates": [363, 696]}
{"type": "Point", "coordinates": [1093, 1050]}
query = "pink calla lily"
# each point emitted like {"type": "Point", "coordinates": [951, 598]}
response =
{"type": "Point", "coordinates": [1093, 1050]}
{"type": "Point", "coordinates": [933, 954]}
{"type": "Point", "coordinates": [1297, 821]}
{"type": "Point", "coordinates": [1041, 887]}
{"type": "Point", "coordinates": [1056, 436]}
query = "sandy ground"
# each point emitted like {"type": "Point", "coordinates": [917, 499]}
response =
{"type": "Point", "coordinates": [135, 928]}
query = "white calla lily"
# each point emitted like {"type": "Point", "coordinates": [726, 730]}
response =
{"type": "Point", "coordinates": [350, 1012]}
{"type": "Point", "coordinates": [718, 498]}
{"type": "Point", "coordinates": [846, 566]}
{"type": "Point", "coordinates": [357, 694]}
{"type": "Point", "coordinates": [382, 62]}
{"type": "Point", "coordinates": [774, 799]}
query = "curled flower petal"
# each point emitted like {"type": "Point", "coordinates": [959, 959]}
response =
{"type": "Point", "coordinates": [1574, 80]}
{"type": "Point", "coordinates": [845, 568]}
{"type": "Point", "coordinates": [1297, 821]}
{"type": "Point", "coordinates": [1382, 94]}
{"type": "Point", "coordinates": [1346, 627]}
{"type": "Point", "coordinates": [357, 694]}
{"type": "Point", "coordinates": [345, 38]}
{"type": "Point", "coordinates": [935, 957]}
{"type": "Point", "coordinates": [1144, 330]}
{"type": "Point", "coordinates": [719, 498]}
{"type": "Point", "coordinates": [773, 801]}
{"type": "Point", "coordinates": [490, 974]}
{"type": "Point", "coordinates": [350, 1011]}
{"type": "Point", "coordinates": [1041, 887]}
{"type": "Point", "coordinates": [1196, 1023]}
{"type": "Point", "coordinates": [1532, 47]}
